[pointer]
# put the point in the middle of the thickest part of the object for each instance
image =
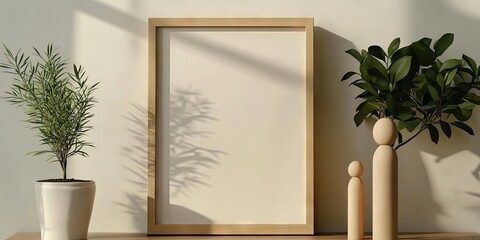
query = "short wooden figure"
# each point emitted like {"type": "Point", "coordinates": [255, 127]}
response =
{"type": "Point", "coordinates": [355, 201]}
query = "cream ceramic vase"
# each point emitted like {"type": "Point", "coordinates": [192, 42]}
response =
{"type": "Point", "coordinates": [385, 182]}
{"type": "Point", "coordinates": [64, 209]}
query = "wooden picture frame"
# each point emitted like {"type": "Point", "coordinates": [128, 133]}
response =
{"type": "Point", "coordinates": [162, 66]}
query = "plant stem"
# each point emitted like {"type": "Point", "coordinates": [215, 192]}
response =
{"type": "Point", "coordinates": [410, 139]}
{"type": "Point", "coordinates": [64, 157]}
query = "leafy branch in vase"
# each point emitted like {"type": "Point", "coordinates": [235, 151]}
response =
{"type": "Point", "coordinates": [415, 88]}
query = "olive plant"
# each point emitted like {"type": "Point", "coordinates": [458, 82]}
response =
{"type": "Point", "coordinates": [415, 88]}
{"type": "Point", "coordinates": [57, 102]}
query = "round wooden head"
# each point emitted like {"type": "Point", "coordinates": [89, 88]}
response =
{"type": "Point", "coordinates": [355, 169]}
{"type": "Point", "coordinates": [385, 132]}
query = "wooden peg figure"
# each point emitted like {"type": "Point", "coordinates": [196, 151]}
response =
{"type": "Point", "coordinates": [385, 182]}
{"type": "Point", "coordinates": [355, 201]}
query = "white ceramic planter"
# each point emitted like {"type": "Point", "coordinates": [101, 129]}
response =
{"type": "Point", "coordinates": [64, 209]}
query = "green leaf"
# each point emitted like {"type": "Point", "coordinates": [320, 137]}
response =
{"type": "Point", "coordinates": [420, 96]}
{"type": "Point", "coordinates": [433, 92]}
{"type": "Point", "coordinates": [368, 106]}
{"type": "Point", "coordinates": [404, 113]}
{"type": "Point", "coordinates": [473, 98]}
{"type": "Point", "coordinates": [463, 126]}
{"type": "Point", "coordinates": [408, 103]}
{"type": "Point", "coordinates": [348, 75]}
{"type": "Point", "coordinates": [393, 46]}
{"type": "Point", "coordinates": [424, 55]}
{"type": "Point", "coordinates": [411, 124]}
{"type": "Point", "coordinates": [443, 43]}
{"type": "Point", "coordinates": [465, 74]}
{"type": "Point", "coordinates": [391, 105]}
{"type": "Point", "coordinates": [367, 87]}
{"type": "Point", "coordinates": [427, 41]}
{"type": "Point", "coordinates": [471, 63]}
{"type": "Point", "coordinates": [364, 73]}
{"type": "Point", "coordinates": [464, 111]}
{"type": "Point", "coordinates": [359, 117]}
{"type": "Point", "coordinates": [366, 109]}
{"type": "Point", "coordinates": [365, 95]}
{"type": "Point", "coordinates": [419, 81]}
{"type": "Point", "coordinates": [364, 53]}
{"type": "Point", "coordinates": [446, 128]}
{"type": "Point", "coordinates": [356, 81]}
{"type": "Point", "coordinates": [400, 125]}
{"type": "Point", "coordinates": [450, 63]}
{"type": "Point", "coordinates": [430, 73]}
{"type": "Point", "coordinates": [354, 53]}
{"type": "Point", "coordinates": [450, 76]}
{"type": "Point", "coordinates": [440, 80]}
{"type": "Point", "coordinates": [377, 52]}
{"type": "Point", "coordinates": [400, 68]}
{"type": "Point", "coordinates": [401, 52]}
{"type": "Point", "coordinates": [381, 84]}
{"type": "Point", "coordinates": [399, 137]}
{"type": "Point", "coordinates": [372, 63]}
{"type": "Point", "coordinates": [434, 135]}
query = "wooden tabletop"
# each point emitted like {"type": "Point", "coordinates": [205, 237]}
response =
{"type": "Point", "coordinates": [138, 236]}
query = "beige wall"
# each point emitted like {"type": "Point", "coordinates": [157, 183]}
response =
{"type": "Point", "coordinates": [439, 190]}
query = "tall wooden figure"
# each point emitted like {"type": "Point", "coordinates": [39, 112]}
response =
{"type": "Point", "coordinates": [355, 201]}
{"type": "Point", "coordinates": [385, 182]}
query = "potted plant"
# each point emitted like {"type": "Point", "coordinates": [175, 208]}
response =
{"type": "Point", "coordinates": [57, 104]}
{"type": "Point", "coordinates": [416, 89]}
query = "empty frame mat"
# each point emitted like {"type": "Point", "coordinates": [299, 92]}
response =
{"type": "Point", "coordinates": [231, 126]}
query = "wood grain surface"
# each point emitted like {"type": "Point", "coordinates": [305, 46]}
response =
{"type": "Point", "coordinates": [139, 236]}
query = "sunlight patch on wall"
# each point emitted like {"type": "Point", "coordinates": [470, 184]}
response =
{"type": "Point", "coordinates": [468, 8]}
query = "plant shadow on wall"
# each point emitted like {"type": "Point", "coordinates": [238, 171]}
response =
{"type": "Point", "coordinates": [454, 176]}
{"type": "Point", "coordinates": [188, 159]}
{"type": "Point", "coordinates": [135, 167]}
